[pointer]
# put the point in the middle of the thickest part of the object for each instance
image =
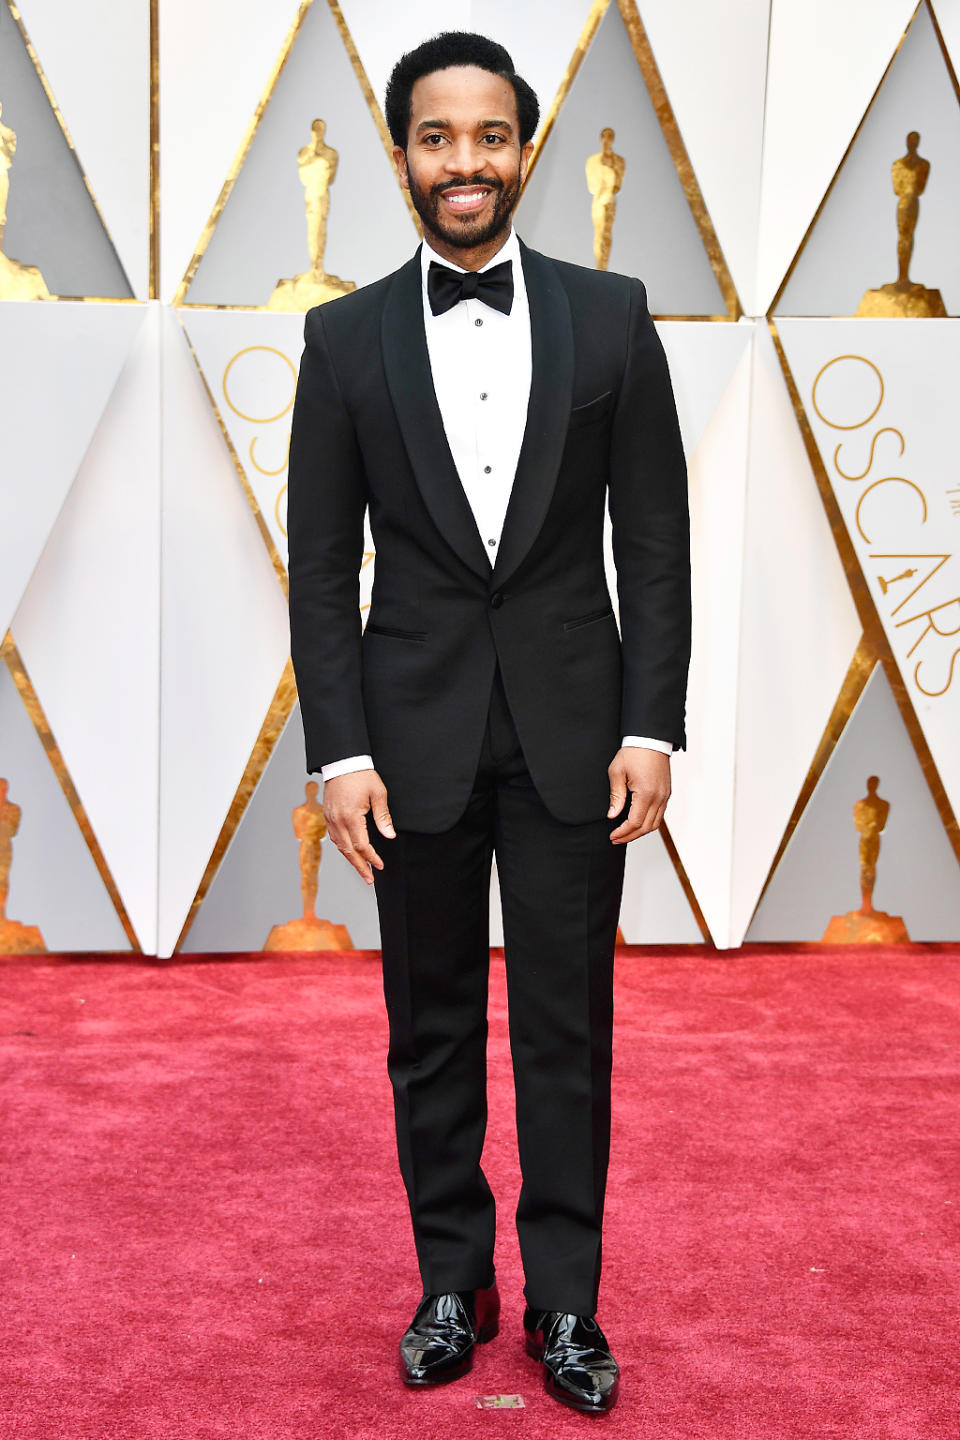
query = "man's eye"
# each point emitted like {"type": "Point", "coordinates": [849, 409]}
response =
{"type": "Point", "coordinates": [497, 139]}
{"type": "Point", "coordinates": [433, 140]}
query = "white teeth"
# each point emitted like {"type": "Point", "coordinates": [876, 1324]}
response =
{"type": "Point", "coordinates": [468, 199]}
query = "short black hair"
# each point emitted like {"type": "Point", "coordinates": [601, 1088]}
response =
{"type": "Point", "coordinates": [454, 47]}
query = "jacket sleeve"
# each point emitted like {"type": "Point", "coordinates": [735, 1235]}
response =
{"type": "Point", "coordinates": [651, 536]}
{"type": "Point", "coordinates": [326, 501]}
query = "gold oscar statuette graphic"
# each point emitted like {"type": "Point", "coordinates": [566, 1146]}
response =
{"type": "Point", "coordinates": [867, 926]}
{"type": "Point", "coordinates": [15, 939]}
{"type": "Point", "coordinates": [309, 933]}
{"type": "Point", "coordinates": [904, 298]}
{"type": "Point", "coordinates": [17, 282]}
{"type": "Point", "coordinates": [604, 178]}
{"type": "Point", "coordinates": [318, 167]}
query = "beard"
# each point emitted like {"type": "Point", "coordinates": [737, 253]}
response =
{"type": "Point", "coordinates": [467, 231]}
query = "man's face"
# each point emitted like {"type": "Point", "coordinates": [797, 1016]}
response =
{"type": "Point", "coordinates": [464, 163]}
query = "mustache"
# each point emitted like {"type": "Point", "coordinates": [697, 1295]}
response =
{"type": "Point", "coordinates": [486, 181]}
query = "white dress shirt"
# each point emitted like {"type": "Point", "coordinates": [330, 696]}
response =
{"type": "Point", "coordinates": [481, 364]}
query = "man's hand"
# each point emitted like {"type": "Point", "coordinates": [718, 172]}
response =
{"type": "Point", "coordinates": [646, 775]}
{"type": "Point", "coordinates": [347, 799]}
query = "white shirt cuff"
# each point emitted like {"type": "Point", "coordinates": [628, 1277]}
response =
{"type": "Point", "coordinates": [346, 767]}
{"type": "Point", "coordinates": [643, 742]}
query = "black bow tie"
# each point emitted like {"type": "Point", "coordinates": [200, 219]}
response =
{"type": "Point", "coordinates": [446, 287]}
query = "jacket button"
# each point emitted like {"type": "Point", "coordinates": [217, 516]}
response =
{"type": "Point", "coordinates": [496, 600]}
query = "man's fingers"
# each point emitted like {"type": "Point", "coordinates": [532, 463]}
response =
{"type": "Point", "coordinates": [645, 816]}
{"type": "Point", "coordinates": [381, 818]}
{"type": "Point", "coordinates": [618, 791]}
{"type": "Point", "coordinates": [618, 798]}
{"type": "Point", "coordinates": [361, 855]}
{"type": "Point", "coordinates": [361, 866]}
{"type": "Point", "coordinates": [370, 858]}
{"type": "Point", "coordinates": [635, 816]}
{"type": "Point", "coordinates": [351, 839]}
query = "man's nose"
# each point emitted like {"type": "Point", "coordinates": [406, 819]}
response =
{"type": "Point", "coordinates": [462, 158]}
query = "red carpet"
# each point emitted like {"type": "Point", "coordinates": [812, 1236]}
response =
{"type": "Point", "coordinates": [203, 1215]}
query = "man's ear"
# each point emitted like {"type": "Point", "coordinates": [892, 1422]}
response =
{"type": "Point", "coordinates": [400, 160]}
{"type": "Point", "coordinates": [525, 154]}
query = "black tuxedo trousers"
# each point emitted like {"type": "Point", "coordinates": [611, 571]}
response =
{"type": "Point", "coordinates": [560, 888]}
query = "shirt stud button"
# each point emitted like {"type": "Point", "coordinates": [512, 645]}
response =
{"type": "Point", "coordinates": [483, 394]}
{"type": "Point", "coordinates": [478, 322]}
{"type": "Point", "coordinates": [487, 469]}
{"type": "Point", "coordinates": [492, 543]}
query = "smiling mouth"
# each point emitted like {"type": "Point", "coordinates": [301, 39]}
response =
{"type": "Point", "coordinates": [465, 201]}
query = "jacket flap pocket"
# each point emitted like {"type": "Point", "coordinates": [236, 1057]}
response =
{"type": "Point", "coordinates": [593, 410]}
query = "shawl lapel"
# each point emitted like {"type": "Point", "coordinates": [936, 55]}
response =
{"type": "Point", "coordinates": [548, 414]}
{"type": "Point", "coordinates": [407, 366]}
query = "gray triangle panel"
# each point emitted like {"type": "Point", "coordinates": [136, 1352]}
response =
{"type": "Point", "coordinates": [261, 236]}
{"type": "Point", "coordinates": [258, 883]}
{"type": "Point", "coordinates": [52, 222]}
{"type": "Point", "coordinates": [654, 233]}
{"type": "Point", "coordinates": [819, 874]}
{"type": "Point", "coordinates": [853, 246]}
{"type": "Point", "coordinates": [54, 882]}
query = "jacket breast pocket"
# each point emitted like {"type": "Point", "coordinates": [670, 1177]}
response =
{"type": "Point", "coordinates": [593, 411]}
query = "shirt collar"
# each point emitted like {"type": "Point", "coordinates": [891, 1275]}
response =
{"type": "Point", "coordinates": [509, 250]}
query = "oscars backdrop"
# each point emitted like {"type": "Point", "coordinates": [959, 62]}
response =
{"type": "Point", "coordinates": [180, 182]}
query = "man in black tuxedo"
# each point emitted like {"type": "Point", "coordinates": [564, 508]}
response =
{"type": "Point", "coordinates": [485, 403]}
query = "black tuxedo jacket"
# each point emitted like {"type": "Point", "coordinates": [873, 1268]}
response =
{"type": "Point", "coordinates": [414, 690]}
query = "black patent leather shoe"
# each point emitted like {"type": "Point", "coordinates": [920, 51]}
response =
{"type": "Point", "coordinates": [439, 1344]}
{"type": "Point", "coordinates": [578, 1369]}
